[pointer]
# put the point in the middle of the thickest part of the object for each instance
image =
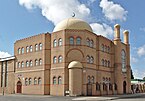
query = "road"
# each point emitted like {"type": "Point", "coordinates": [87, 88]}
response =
{"type": "Point", "coordinates": [139, 97]}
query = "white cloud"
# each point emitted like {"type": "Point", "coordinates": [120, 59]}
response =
{"type": "Point", "coordinates": [142, 29]}
{"type": "Point", "coordinates": [4, 54]}
{"type": "Point", "coordinates": [113, 11]}
{"type": "Point", "coordinates": [141, 50]}
{"type": "Point", "coordinates": [102, 29]}
{"type": "Point", "coordinates": [57, 10]}
{"type": "Point", "coordinates": [138, 74]}
{"type": "Point", "coordinates": [133, 59]}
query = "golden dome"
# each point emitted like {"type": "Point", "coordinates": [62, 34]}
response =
{"type": "Point", "coordinates": [75, 64]}
{"type": "Point", "coordinates": [72, 23]}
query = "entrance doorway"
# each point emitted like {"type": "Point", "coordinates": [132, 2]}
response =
{"type": "Point", "coordinates": [124, 87]}
{"type": "Point", "coordinates": [89, 89]}
{"type": "Point", "coordinates": [19, 87]}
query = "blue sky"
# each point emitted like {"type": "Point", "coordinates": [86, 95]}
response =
{"type": "Point", "coordinates": [24, 18]}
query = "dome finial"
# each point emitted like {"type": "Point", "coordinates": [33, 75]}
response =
{"type": "Point", "coordinates": [73, 15]}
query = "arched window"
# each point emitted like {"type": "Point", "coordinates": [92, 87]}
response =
{"type": "Point", "coordinates": [92, 79]}
{"type": "Point", "coordinates": [110, 86]}
{"type": "Point", "coordinates": [123, 58]}
{"type": "Point", "coordinates": [104, 86]}
{"type": "Point", "coordinates": [102, 62]}
{"type": "Point", "coordinates": [31, 63]}
{"type": "Point", "coordinates": [78, 40]}
{"type": "Point", "coordinates": [91, 43]}
{"type": "Point", "coordinates": [54, 59]}
{"type": "Point", "coordinates": [19, 51]}
{"type": "Point", "coordinates": [89, 79]}
{"type": "Point", "coordinates": [88, 59]}
{"type": "Point", "coordinates": [59, 59]}
{"type": "Point", "coordinates": [54, 43]}
{"type": "Point", "coordinates": [103, 79]}
{"type": "Point", "coordinates": [27, 49]}
{"type": "Point", "coordinates": [106, 79]}
{"type": "Point", "coordinates": [88, 42]}
{"type": "Point", "coordinates": [31, 48]}
{"type": "Point", "coordinates": [22, 50]}
{"type": "Point", "coordinates": [39, 81]}
{"type": "Point", "coordinates": [97, 86]}
{"type": "Point", "coordinates": [19, 64]}
{"type": "Point", "coordinates": [109, 79]}
{"type": "Point", "coordinates": [71, 40]}
{"type": "Point", "coordinates": [108, 49]}
{"type": "Point", "coordinates": [60, 42]}
{"type": "Point", "coordinates": [54, 80]}
{"type": "Point", "coordinates": [108, 63]}
{"type": "Point", "coordinates": [91, 60]}
{"type": "Point", "coordinates": [35, 81]}
{"type": "Point", "coordinates": [59, 80]}
{"type": "Point", "coordinates": [30, 81]}
{"type": "Point", "coordinates": [103, 47]}
{"type": "Point", "coordinates": [36, 62]}
{"type": "Point", "coordinates": [22, 64]}
{"type": "Point", "coordinates": [115, 86]}
{"type": "Point", "coordinates": [40, 61]}
{"type": "Point", "coordinates": [36, 47]}
{"type": "Point", "coordinates": [27, 63]}
{"type": "Point", "coordinates": [40, 46]}
{"type": "Point", "coordinates": [26, 81]}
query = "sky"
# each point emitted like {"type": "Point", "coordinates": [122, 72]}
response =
{"type": "Point", "coordinates": [23, 18]}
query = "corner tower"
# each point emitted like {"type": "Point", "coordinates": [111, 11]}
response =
{"type": "Point", "coordinates": [122, 61]}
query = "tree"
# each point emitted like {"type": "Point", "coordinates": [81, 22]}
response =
{"type": "Point", "coordinates": [143, 78]}
{"type": "Point", "coordinates": [132, 77]}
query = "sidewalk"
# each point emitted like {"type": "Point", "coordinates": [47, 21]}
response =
{"type": "Point", "coordinates": [108, 97]}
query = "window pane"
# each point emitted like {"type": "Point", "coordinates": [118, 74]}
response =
{"type": "Point", "coordinates": [31, 63]}
{"type": "Point", "coordinates": [19, 51]}
{"type": "Point", "coordinates": [78, 41]}
{"type": "Point", "coordinates": [27, 49]}
{"type": "Point", "coordinates": [40, 46]}
{"type": "Point", "coordinates": [35, 81]}
{"type": "Point", "coordinates": [36, 62]}
{"type": "Point", "coordinates": [54, 80]}
{"type": "Point", "coordinates": [30, 81]}
{"type": "Point", "coordinates": [123, 58]}
{"type": "Point", "coordinates": [59, 59]}
{"type": "Point", "coordinates": [88, 42]}
{"type": "Point", "coordinates": [54, 59]}
{"type": "Point", "coordinates": [59, 80]}
{"type": "Point", "coordinates": [60, 42]}
{"type": "Point", "coordinates": [22, 50]}
{"type": "Point", "coordinates": [102, 47]}
{"type": "Point", "coordinates": [22, 64]}
{"type": "Point", "coordinates": [71, 41]}
{"type": "Point", "coordinates": [91, 43]}
{"type": "Point", "coordinates": [27, 64]}
{"type": "Point", "coordinates": [40, 62]}
{"type": "Point", "coordinates": [88, 59]}
{"type": "Point", "coordinates": [31, 48]}
{"type": "Point", "coordinates": [19, 64]}
{"type": "Point", "coordinates": [39, 81]}
{"type": "Point", "coordinates": [36, 47]}
{"type": "Point", "coordinates": [54, 43]}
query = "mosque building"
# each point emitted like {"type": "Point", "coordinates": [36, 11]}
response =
{"type": "Point", "coordinates": [71, 60]}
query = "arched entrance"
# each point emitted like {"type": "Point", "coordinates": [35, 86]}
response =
{"type": "Point", "coordinates": [19, 87]}
{"type": "Point", "coordinates": [124, 87]}
{"type": "Point", "coordinates": [89, 89]}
